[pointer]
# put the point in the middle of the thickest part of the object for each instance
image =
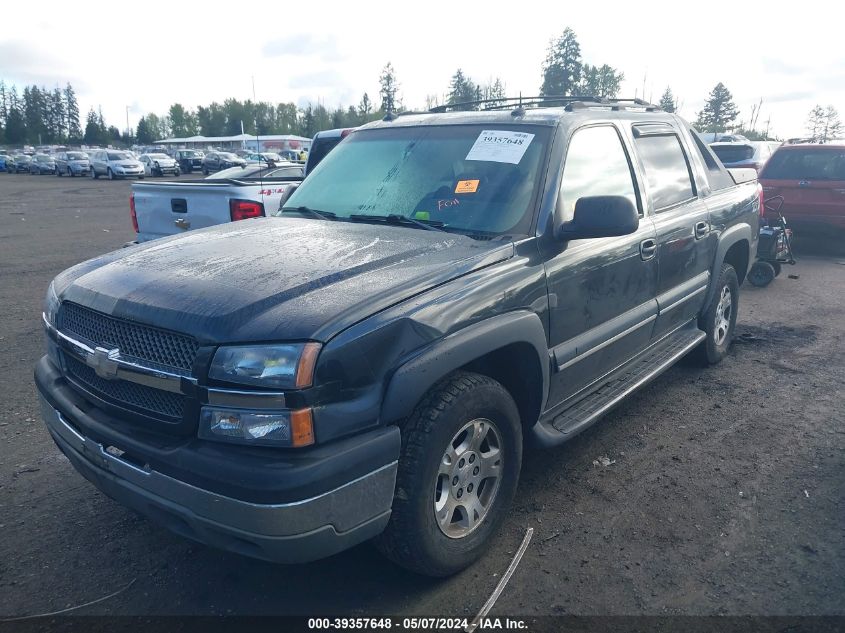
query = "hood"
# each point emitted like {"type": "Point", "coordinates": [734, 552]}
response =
{"type": "Point", "coordinates": [273, 279]}
{"type": "Point", "coordinates": [128, 163]}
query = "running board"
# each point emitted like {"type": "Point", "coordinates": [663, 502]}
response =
{"type": "Point", "coordinates": [638, 372]}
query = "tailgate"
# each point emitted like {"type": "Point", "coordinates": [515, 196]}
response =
{"type": "Point", "coordinates": [175, 207]}
{"type": "Point", "coordinates": [170, 208]}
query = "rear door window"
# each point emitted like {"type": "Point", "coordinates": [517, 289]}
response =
{"type": "Point", "coordinates": [806, 164]}
{"type": "Point", "coordinates": [666, 170]}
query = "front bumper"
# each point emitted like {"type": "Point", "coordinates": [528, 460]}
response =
{"type": "Point", "coordinates": [300, 530]}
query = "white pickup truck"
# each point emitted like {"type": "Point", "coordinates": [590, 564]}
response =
{"type": "Point", "coordinates": [167, 208]}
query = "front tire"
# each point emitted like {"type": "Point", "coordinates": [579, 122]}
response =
{"type": "Point", "coordinates": [718, 321]}
{"type": "Point", "coordinates": [458, 471]}
{"type": "Point", "coordinates": [110, 173]}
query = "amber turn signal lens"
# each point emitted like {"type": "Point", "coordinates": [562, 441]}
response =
{"type": "Point", "coordinates": [305, 367]}
{"type": "Point", "coordinates": [302, 428]}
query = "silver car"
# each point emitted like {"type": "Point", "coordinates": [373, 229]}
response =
{"type": "Point", "coordinates": [159, 164]}
{"type": "Point", "coordinates": [114, 163]}
{"type": "Point", "coordinates": [72, 164]}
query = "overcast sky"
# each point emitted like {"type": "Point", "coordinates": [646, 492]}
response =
{"type": "Point", "coordinates": [125, 53]}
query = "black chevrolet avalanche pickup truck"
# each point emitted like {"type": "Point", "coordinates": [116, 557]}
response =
{"type": "Point", "coordinates": [443, 292]}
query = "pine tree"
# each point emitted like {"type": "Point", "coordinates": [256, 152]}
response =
{"type": "Point", "coordinates": [92, 129]}
{"type": "Point", "coordinates": [719, 111]}
{"type": "Point", "coordinates": [667, 101]}
{"type": "Point", "coordinates": [600, 81]}
{"type": "Point", "coordinates": [4, 103]}
{"type": "Point", "coordinates": [365, 108]}
{"type": "Point", "coordinates": [815, 123]}
{"type": "Point", "coordinates": [74, 132]}
{"type": "Point", "coordinates": [833, 125]}
{"type": "Point", "coordinates": [389, 89]}
{"type": "Point", "coordinates": [143, 132]}
{"type": "Point", "coordinates": [58, 117]}
{"type": "Point", "coordinates": [461, 90]}
{"type": "Point", "coordinates": [562, 66]}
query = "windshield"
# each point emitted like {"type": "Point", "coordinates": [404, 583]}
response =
{"type": "Point", "coordinates": [227, 156]}
{"type": "Point", "coordinates": [43, 158]}
{"type": "Point", "coordinates": [77, 156]}
{"type": "Point", "coordinates": [470, 178]}
{"type": "Point", "coordinates": [120, 156]}
{"type": "Point", "coordinates": [810, 164]}
{"type": "Point", "coordinates": [190, 154]}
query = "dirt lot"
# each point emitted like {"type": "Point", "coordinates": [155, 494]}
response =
{"type": "Point", "coordinates": [725, 495]}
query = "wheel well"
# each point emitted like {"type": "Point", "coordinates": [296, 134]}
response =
{"type": "Point", "coordinates": [515, 366]}
{"type": "Point", "coordinates": [737, 256]}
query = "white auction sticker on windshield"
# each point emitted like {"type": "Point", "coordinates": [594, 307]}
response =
{"type": "Point", "coordinates": [500, 146]}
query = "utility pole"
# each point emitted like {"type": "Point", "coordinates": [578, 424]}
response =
{"type": "Point", "coordinates": [127, 121]}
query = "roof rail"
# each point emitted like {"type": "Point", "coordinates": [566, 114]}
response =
{"type": "Point", "coordinates": [570, 102]}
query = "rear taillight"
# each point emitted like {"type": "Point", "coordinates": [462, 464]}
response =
{"type": "Point", "coordinates": [762, 200]}
{"type": "Point", "coordinates": [245, 209]}
{"type": "Point", "coordinates": [132, 212]}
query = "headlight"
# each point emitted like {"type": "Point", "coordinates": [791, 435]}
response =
{"type": "Point", "coordinates": [279, 366]}
{"type": "Point", "coordinates": [262, 428]}
{"type": "Point", "coordinates": [51, 305]}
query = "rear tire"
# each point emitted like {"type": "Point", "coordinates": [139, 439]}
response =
{"type": "Point", "coordinates": [461, 455]}
{"type": "Point", "coordinates": [761, 274]}
{"type": "Point", "coordinates": [718, 320]}
{"type": "Point", "coordinates": [778, 268]}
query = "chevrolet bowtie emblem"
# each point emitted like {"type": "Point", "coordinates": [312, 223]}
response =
{"type": "Point", "coordinates": [104, 362]}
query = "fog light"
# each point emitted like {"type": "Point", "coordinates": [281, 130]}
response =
{"type": "Point", "coordinates": [271, 428]}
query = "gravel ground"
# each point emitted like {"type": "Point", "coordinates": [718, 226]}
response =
{"type": "Point", "coordinates": [724, 494]}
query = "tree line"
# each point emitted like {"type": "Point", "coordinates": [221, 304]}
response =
{"type": "Point", "coordinates": [44, 116]}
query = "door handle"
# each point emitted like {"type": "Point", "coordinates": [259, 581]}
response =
{"type": "Point", "coordinates": [182, 223]}
{"type": "Point", "coordinates": [701, 229]}
{"type": "Point", "coordinates": [648, 248]}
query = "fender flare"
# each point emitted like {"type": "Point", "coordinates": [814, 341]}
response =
{"type": "Point", "coordinates": [727, 239]}
{"type": "Point", "coordinates": [416, 376]}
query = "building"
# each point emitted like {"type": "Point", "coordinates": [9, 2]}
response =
{"type": "Point", "coordinates": [261, 143]}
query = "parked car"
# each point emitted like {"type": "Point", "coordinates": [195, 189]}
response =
{"type": "Point", "coordinates": [72, 164]}
{"type": "Point", "coordinates": [189, 160]}
{"type": "Point", "coordinates": [21, 163]}
{"type": "Point", "coordinates": [215, 161]}
{"type": "Point", "coordinates": [266, 158]}
{"type": "Point", "coordinates": [811, 179]}
{"type": "Point", "coordinates": [115, 164]}
{"type": "Point", "coordinates": [42, 164]}
{"type": "Point", "coordinates": [159, 165]}
{"type": "Point", "coordinates": [440, 294]}
{"type": "Point", "coordinates": [5, 161]}
{"type": "Point", "coordinates": [258, 171]}
{"type": "Point", "coordinates": [236, 193]}
{"type": "Point", "coordinates": [744, 154]}
{"type": "Point", "coordinates": [322, 143]}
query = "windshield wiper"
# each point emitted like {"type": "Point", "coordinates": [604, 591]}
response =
{"type": "Point", "coordinates": [394, 218]}
{"type": "Point", "coordinates": [322, 215]}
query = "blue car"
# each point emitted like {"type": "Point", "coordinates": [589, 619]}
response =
{"type": "Point", "coordinates": [3, 159]}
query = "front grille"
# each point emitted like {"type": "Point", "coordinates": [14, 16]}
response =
{"type": "Point", "coordinates": [162, 404]}
{"type": "Point", "coordinates": [159, 349]}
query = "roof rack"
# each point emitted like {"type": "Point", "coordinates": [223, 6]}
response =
{"type": "Point", "coordinates": [569, 102]}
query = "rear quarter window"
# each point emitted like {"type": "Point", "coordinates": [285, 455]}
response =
{"type": "Point", "coordinates": [666, 170]}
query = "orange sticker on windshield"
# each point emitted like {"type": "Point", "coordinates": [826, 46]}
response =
{"type": "Point", "coordinates": [467, 186]}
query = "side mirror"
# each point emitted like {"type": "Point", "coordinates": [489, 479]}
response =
{"type": "Point", "coordinates": [287, 194]}
{"type": "Point", "coordinates": [600, 216]}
